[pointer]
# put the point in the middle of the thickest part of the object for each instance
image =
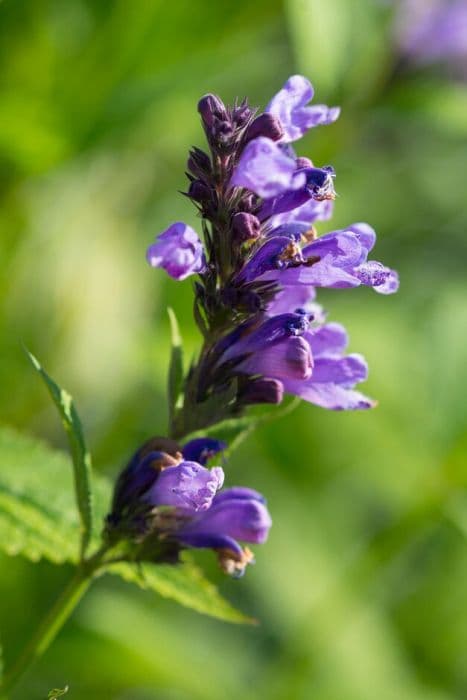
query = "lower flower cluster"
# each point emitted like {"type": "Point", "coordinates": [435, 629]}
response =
{"type": "Point", "coordinates": [165, 502]}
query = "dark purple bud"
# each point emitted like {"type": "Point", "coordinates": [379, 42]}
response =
{"type": "Point", "coordinates": [199, 191]}
{"type": "Point", "coordinates": [245, 226]}
{"type": "Point", "coordinates": [302, 162]}
{"type": "Point", "coordinates": [242, 114]}
{"type": "Point", "coordinates": [249, 202]}
{"type": "Point", "coordinates": [202, 449]}
{"type": "Point", "coordinates": [265, 125]}
{"type": "Point", "coordinates": [224, 131]}
{"type": "Point", "coordinates": [199, 162]}
{"type": "Point", "coordinates": [211, 108]}
{"type": "Point", "coordinates": [262, 390]}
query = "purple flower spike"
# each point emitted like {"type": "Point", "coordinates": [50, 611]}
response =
{"type": "Point", "coordinates": [188, 486]}
{"type": "Point", "coordinates": [265, 169]}
{"type": "Point", "coordinates": [179, 251]}
{"type": "Point", "coordinates": [290, 107]}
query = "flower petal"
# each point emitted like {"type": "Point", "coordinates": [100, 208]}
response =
{"type": "Point", "coordinates": [265, 169]}
{"type": "Point", "coordinates": [179, 251]}
{"type": "Point", "coordinates": [201, 450]}
{"type": "Point", "coordinates": [288, 105]}
{"type": "Point", "coordinates": [188, 485]}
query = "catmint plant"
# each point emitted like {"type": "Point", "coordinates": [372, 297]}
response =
{"type": "Point", "coordinates": [256, 264]}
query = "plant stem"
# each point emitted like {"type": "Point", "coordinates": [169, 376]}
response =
{"type": "Point", "coordinates": [50, 625]}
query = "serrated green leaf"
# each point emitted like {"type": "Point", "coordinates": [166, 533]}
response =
{"type": "Point", "coordinates": [175, 379]}
{"type": "Point", "coordinates": [79, 453]}
{"type": "Point", "coordinates": [38, 518]}
{"type": "Point", "coordinates": [185, 584]}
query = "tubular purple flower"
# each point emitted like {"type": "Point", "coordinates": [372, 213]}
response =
{"type": "Point", "coordinates": [188, 485]}
{"type": "Point", "coordinates": [179, 506]}
{"type": "Point", "coordinates": [341, 261]}
{"type": "Point", "coordinates": [236, 514]}
{"type": "Point", "coordinates": [289, 105]}
{"type": "Point", "coordinates": [179, 251]}
{"type": "Point", "coordinates": [319, 186]}
{"type": "Point", "coordinates": [265, 169]}
{"type": "Point", "coordinates": [334, 375]}
{"type": "Point", "coordinates": [307, 213]}
{"type": "Point", "coordinates": [314, 368]}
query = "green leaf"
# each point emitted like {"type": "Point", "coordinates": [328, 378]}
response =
{"type": "Point", "coordinates": [38, 518]}
{"type": "Point", "coordinates": [185, 584]}
{"type": "Point", "coordinates": [175, 380]}
{"type": "Point", "coordinates": [79, 453]}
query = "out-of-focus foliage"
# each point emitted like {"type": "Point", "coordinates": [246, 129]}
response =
{"type": "Point", "coordinates": [361, 588]}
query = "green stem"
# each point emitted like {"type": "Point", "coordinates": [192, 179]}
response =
{"type": "Point", "coordinates": [50, 626]}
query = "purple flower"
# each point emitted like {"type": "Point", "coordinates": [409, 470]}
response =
{"type": "Point", "coordinates": [235, 514]}
{"type": "Point", "coordinates": [179, 251]}
{"type": "Point", "coordinates": [290, 107]}
{"type": "Point", "coordinates": [266, 169]}
{"type": "Point", "coordinates": [307, 213]}
{"type": "Point", "coordinates": [331, 384]}
{"type": "Point", "coordinates": [306, 357]}
{"type": "Point", "coordinates": [188, 486]}
{"type": "Point", "coordinates": [338, 259]}
{"type": "Point", "coordinates": [180, 506]}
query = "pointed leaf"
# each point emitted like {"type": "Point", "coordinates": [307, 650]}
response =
{"type": "Point", "coordinates": [79, 453]}
{"type": "Point", "coordinates": [37, 515]}
{"type": "Point", "coordinates": [185, 584]}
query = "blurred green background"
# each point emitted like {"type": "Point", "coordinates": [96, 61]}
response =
{"type": "Point", "coordinates": [361, 589]}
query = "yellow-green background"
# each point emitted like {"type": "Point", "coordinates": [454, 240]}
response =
{"type": "Point", "coordinates": [362, 587]}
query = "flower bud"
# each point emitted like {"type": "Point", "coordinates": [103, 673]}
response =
{"type": "Point", "coordinates": [211, 108]}
{"type": "Point", "coordinates": [199, 162]}
{"type": "Point", "coordinates": [262, 390]}
{"type": "Point", "coordinates": [245, 226]}
{"type": "Point", "coordinates": [199, 191]}
{"type": "Point", "coordinates": [265, 125]}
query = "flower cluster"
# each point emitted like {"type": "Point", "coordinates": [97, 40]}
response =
{"type": "Point", "coordinates": [167, 500]}
{"type": "Point", "coordinates": [257, 276]}
{"type": "Point", "coordinates": [262, 262]}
